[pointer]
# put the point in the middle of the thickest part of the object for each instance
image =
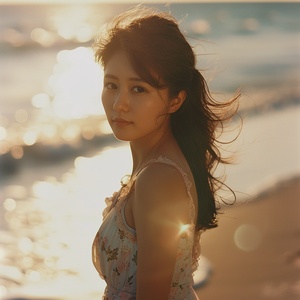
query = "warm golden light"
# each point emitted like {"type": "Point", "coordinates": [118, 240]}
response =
{"type": "Point", "coordinates": [2, 133]}
{"type": "Point", "coordinates": [73, 24]}
{"type": "Point", "coordinates": [76, 84]}
{"type": "Point", "coordinates": [184, 228]}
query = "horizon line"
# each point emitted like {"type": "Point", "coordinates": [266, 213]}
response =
{"type": "Point", "coordinates": [26, 2]}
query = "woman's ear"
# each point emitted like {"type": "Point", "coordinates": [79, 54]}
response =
{"type": "Point", "coordinates": [177, 101]}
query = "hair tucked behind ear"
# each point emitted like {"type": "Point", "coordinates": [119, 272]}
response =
{"type": "Point", "coordinates": [161, 56]}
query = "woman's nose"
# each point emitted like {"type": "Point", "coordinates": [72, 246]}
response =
{"type": "Point", "coordinates": [121, 101]}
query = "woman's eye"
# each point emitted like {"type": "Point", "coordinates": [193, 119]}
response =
{"type": "Point", "coordinates": [139, 89]}
{"type": "Point", "coordinates": [110, 86]}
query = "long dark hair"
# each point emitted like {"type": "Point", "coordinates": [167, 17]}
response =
{"type": "Point", "coordinates": [161, 56]}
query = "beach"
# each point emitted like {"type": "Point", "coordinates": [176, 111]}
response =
{"type": "Point", "coordinates": [59, 160]}
{"type": "Point", "coordinates": [253, 254]}
{"type": "Point", "coordinates": [255, 251]}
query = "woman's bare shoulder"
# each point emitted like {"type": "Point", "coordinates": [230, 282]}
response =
{"type": "Point", "coordinates": [161, 185]}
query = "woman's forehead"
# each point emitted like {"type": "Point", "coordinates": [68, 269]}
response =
{"type": "Point", "coordinates": [119, 63]}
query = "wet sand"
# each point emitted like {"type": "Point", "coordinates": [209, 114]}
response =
{"type": "Point", "coordinates": [255, 251]}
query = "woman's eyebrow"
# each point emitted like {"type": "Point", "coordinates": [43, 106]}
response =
{"type": "Point", "coordinates": [111, 76]}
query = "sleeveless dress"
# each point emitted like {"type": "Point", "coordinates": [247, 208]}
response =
{"type": "Point", "coordinates": [115, 248]}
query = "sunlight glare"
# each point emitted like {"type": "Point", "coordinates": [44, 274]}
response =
{"type": "Point", "coordinates": [184, 228]}
{"type": "Point", "coordinates": [47, 191]}
{"type": "Point", "coordinates": [40, 100]}
{"type": "Point", "coordinates": [73, 24]}
{"type": "Point", "coordinates": [76, 83]}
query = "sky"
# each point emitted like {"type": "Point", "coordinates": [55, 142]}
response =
{"type": "Point", "coordinates": [18, 2]}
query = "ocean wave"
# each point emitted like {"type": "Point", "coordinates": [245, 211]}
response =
{"type": "Point", "coordinates": [45, 151]}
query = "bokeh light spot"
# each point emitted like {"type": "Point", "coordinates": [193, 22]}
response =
{"type": "Point", "coordinates": [17, 152]}
{"type": "Point", "coordinates": [88, 133]}
{"type": "Point", "coordinates": [42, 36]}
{"type": "Point", "coordinates": [71, 132]}
{"type": "Point", "coordinates": [9, 204]}
{"type": "Point", "coordinates": [40, 100]}
{"type": "Point", "coordinates": [247, 237]}
{"type": "Point", "coordinates": [29, 138]}
{"type": "Point", "coordinates": [21, 115]}
{"type": "Point", "coordinates": [13, 37]}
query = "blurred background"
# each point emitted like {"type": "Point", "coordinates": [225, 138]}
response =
{"type": "Point", "coordinates": [58, 158]}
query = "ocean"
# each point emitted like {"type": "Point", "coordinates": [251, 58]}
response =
{"type": "Point", "coordinates": [58, 158]}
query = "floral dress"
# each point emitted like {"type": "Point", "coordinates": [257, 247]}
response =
{"type": "Point", "coordinates": [115, 249]}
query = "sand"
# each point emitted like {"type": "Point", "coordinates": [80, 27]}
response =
{"type": "Point", "coordinates": [255, 251]}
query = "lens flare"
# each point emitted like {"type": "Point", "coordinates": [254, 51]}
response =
{"type": "Point", "coordinates": [183, 228]}
{"type": "Point", "coordinates": [247, 237]}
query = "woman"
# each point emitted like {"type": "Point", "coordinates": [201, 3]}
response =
{"type": "Point", "coordinates": [148, 244]}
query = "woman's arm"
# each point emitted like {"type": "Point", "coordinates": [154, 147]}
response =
{"type": "Point", "coordinates": [160, 208]}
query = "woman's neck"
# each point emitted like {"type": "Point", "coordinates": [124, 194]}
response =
{"type": "Point", "coordinates": [143, 151]}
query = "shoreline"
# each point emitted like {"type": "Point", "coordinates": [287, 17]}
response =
{"type": "Point", "coordinates": [255, 251]}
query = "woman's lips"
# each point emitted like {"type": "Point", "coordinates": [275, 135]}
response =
{"type": "Point", "coordinates": [121, 122]}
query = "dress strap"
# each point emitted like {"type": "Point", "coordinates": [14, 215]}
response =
{"type": "Point", "coordinates": [188, 183]}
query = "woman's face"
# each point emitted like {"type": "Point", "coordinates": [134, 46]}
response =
{"type": "Point", "coordinates": [135, 110]}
